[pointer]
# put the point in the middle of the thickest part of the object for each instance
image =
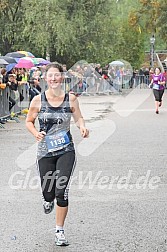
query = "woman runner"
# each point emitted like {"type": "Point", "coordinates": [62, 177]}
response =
{"type": "Point", "coordinates": [158, 82]}
{"type": "Point", "coordinates": [56, 153]}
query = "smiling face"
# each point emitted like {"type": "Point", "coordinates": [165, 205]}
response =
{"type": "Point", "coordinates": [157, 71]}
{"type": "Point", "coordinates": [54, 78]}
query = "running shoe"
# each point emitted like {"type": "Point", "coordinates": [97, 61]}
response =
{"type": "Point", "coordinates": [60, 239]}
{"type": "Point", "coordinates": [48, 206]}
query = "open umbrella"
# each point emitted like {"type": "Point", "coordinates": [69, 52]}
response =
{"type": "Point", "coordinates": [41, 61]}
{"type": "Point", "coordinates": [37, 61]}
{"type": "Point", "coordinates": [3, 62]}
{"type": "Point", "coordinates": [8, 59]}
{"type": "Point", "coordinates": [27, 54]}
{"type": "Point", "coordinates": [116, 63]}
{"type": "Point", "coordinates": [24, 63]}
{"type": "Point", "coordinates": [44, 62]}
{"type": "Point", "coordinates": [10, 67]}
{"type": "Point", "coordinates": [15, 55]}
{"type": "Point", "coordinates": [33, 60]}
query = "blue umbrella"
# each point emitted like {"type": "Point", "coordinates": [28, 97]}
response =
{"type": "Point", "coordinates": [10, 67]}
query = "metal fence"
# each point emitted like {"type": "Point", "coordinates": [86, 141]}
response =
{"type": "Point", "coordinates": [4, 102]}
{"type": "Point", "coordinates": [79, 86]}
{"type": "Point", "coordinates": [91, 85]}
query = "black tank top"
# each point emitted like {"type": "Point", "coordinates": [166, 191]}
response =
{"type": "Point", "coordinates": [55, 121]}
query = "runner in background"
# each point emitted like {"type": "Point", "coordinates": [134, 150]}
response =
{"type": "Point", "coordinates": [158, 84]}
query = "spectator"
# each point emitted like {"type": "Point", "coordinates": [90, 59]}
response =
{"type": "Point", "coordinates": [4, 75]}
{"type": "Point", "coordinates": [146, 73]}
{"type": "Point", "coordinates": [13, 85]}
{"type": "Point", "coordinates": [98, 72]}
{"type": "Point", "coordinates": [34, 87]}
{"type": "Point", "coordinates": [1, 77]}
{"type": "Point", "coordinates": [141, 74]}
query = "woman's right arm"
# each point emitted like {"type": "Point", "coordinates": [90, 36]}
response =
{"type": "Point", "coordinates": [32, 115]}
{"type": "Point", "coordinates": [150, 85]}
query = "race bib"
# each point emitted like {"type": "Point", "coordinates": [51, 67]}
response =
{"type": "Point", "coordinates": [57, 142]}
{"type": "Point", "coordinates": [156, 86]}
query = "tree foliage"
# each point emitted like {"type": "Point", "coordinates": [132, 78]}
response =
{"type": "Point", "coordinates": [91, 30]}
{"type": "Point", "coordinates": [162, 24]}
{"type": "Point", "coordinates": [151, 18]}
{"type": "Point", "coordinates": [11, 15]}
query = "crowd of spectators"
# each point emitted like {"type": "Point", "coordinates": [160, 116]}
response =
{"type": "Point", "coordinates": [82, 78]}
{"type": "Point", "coordinates": [94, 79]}
{"type": "Point", "coordinates": [30, 78]}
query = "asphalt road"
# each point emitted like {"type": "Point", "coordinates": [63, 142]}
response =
{"type": "Point", "coordinates": [119, 189]}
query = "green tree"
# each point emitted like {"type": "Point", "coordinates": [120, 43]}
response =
{"type": "Point", "coordinates": [11, 16]}
{"type": "Point", "coordinates": [162, 24]}
{"type": "Point", "coordinates": [69, 30]}
{"type": "Point", "coordinates": [91, 30]}
{"type": "Point", "coordinates": [128, 39]}
{"type": "Point", "coordinates": [151, 18]}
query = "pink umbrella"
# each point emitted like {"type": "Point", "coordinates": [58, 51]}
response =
{"type": "Point", "coordinates": [24, 63]}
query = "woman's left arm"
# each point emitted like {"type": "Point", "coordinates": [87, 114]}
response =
{"type": "Point", "coordinates": [162, 81]}
{"type": "Point", "coordinates": [78, 118]}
